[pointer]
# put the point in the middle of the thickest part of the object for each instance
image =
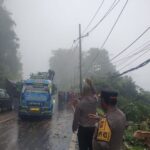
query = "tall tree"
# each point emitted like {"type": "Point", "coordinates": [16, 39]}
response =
{"type": "Point", "coordinates": [10, 65]}
{"type": "Point", "coordinates": [97, 63]}
{"type": "Point", "coordinates": [66, 65]}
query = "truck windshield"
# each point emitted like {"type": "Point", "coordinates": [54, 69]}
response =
{"type": "Point", "coordinates": [33, 93]}
{"type": "Point", "coordinates": [36, 90]}
{"type": "Point", "coordinates": [33, 89]}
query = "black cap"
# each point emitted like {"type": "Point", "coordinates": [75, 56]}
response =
{"type": "Point", "coordinates": [110, 97]}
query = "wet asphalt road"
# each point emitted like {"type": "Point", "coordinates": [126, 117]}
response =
{"type": "Point", "coordinates": [38, 134]}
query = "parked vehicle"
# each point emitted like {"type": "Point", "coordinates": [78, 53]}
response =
{"type": "Point", "coordinates": [5, 101]}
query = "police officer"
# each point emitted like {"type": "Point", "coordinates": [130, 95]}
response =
{"type": "Point", "coordinates": [110, 129]}
{"type": "Point", "coordinates": [81, 122]}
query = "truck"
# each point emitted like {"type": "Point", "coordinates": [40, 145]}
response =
{"type": "Point", "coordinates": [37, 96]}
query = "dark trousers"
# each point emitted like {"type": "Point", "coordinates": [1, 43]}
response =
{"type": "Point", "coordinates": [85, 137]}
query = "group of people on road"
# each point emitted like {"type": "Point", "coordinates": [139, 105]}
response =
{"type": "Point", "coordinates": [66, 96]}
{"type": "Point", "coordinates": [98, 132]}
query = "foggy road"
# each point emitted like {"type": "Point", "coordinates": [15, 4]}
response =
{"type": "Point", "coordinates": [37, 134]}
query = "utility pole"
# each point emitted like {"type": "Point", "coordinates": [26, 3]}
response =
{"type": "Point", "coordinates": [80, 58]}
{"type": "Point", "coordinates": [80, 55]}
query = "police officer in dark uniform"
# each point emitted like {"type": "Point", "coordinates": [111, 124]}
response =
{"type": "Point", "coordinates": [81, 122]}
{"type": "Point", "coordinates": [110, 129]}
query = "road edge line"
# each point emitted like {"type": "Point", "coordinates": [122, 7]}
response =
{"type": "Point", "coordinates": [73, 142]}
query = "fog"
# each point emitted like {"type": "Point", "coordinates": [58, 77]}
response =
{"type": "Point", "coordinates": [46, 25]}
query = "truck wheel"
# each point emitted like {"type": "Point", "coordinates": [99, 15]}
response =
{"type": "Point", "coordinates": [49, 116]}
{"type": "Point", "coordinates": [9, 108]}
{"type": "Point", "coordinates": [21, 117]}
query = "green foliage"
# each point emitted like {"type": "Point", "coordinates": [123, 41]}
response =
{"type": "Point", "coordinates": [144, 96]}
{"type": "Point", "coordinates": [101, 66]}
{"type": "Point", "coordinates": [66, 66]}
{"type": "Point", "coordinates": [10, 66]}
{"type": "Point", "coordinates": [135, 110]}
{"type": "Point", "coordinates": [131, 142]}
{"type": "Point", "coordinates": [136, 148]}
{"type": "Point", "coordinates": [99, 111]}
{"type": "Point", "coordinates": [133, 102]}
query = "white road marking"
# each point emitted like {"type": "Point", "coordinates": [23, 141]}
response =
{"type": "Point", "coordinates": [73, 142]}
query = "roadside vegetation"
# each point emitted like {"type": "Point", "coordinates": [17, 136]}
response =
{"type": "Point", "coordinates": [10, 65]}
{"type": "Point", "coordinates": [133, 100]}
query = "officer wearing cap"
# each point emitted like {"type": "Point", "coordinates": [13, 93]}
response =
{"type": "Point", "coordinates": [109, 133]}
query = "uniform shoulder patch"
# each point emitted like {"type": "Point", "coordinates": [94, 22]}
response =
{"type": "Point", "coordinates": [104, 131]}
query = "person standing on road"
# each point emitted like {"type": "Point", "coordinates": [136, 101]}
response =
{"type": "Point", "coordinates": [109, 133]}
{"type": "Point", "coordinates": [81, 121]}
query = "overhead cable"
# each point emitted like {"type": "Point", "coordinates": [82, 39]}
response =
{"type": "Point", "coordinates": [114, 4]}
{"type": "Point", "coordinates": [134, 54]}
{"type": "Point", "coordinates": [97, 11]}
{"type": "Point", "coordinates": [130, 44]}
{"type": "Point", "coordinates": [114, 24]}
{"type": "Point", "coordinates": [134, 60]}
{"type": "Point", "coordinates": [110, 32]}
{"type": "Point", "coordinates": [135, 68]}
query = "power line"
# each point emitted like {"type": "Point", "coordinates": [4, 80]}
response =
{"type": "Point", "coordinates": [135, 68]}
{"type": "Point", "coordinates": [134, 60]}
{"type": "Point", "coordinates": [97, 11]}
{"type": "Point", "coordinates": [109, 10]}
{"type": "Point", "coordinates": [106, 14]}
{"type": "Point", "coordinates": [122, 10]}
{"type": "Point", "coordinates": [130, 44]}
{"type": "Point", "coordinates": [115, 23]}
{"type": "Point", "coordinates": [136, 53]}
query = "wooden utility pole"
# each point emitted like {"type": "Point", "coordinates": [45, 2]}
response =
{"type": "Point", "coordinates": [80, 58]}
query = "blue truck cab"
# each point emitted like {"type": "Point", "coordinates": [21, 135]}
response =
{"type": "Point", "coordinates": [36, 98]}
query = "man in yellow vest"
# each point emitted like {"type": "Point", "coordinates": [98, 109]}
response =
{"type": "Point", "coordinates": [110, 129]}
